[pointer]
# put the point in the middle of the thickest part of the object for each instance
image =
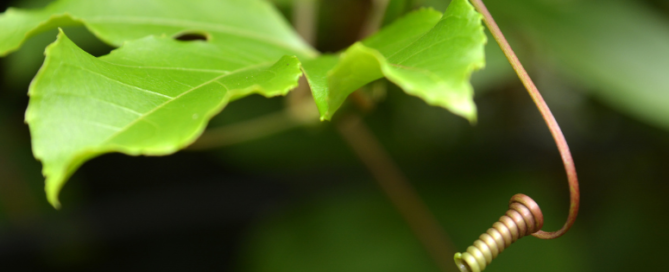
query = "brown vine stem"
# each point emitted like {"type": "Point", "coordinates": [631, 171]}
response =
{"type": "Point", "coordinates": [253, 129]}
{"type": "Point", "coordinates": [386, 173]}
{"type": "Point", "coordinates": [548, 117]}
{"type": "Point", "coordinates": [375, 18]}
{"type": "Point", "coordinates": [398, 189]}
{"type": "Point", "coordinates": [305, 17]}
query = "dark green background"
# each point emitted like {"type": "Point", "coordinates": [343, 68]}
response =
{"type": "Point", "coordinates": [301, 201]}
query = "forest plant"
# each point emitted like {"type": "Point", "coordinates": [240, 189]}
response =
{"type": "Point", "coordinates": [155, 94]}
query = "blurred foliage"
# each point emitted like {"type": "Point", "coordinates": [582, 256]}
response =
{"type": "Point", "coordinates": [617, 50]}
{"type": "Point", "coordinates": [300, 200]}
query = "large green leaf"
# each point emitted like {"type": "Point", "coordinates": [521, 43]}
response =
{"type": "Point", "coordinates": [240, 24]}
{"type": "Point", "coordinates": [136, 100]}
{"type": "Point", "coordinates": [154, 95]}
{"type": "Point", "coordinates": [429, 55]}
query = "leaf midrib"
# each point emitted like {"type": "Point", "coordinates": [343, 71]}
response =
{"type": "Point", "coordinates": [121, 82]}
{"type": "Point", "coordinates": [143, 116]}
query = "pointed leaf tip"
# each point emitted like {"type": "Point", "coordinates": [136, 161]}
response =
{"type": "Point", "coordinates": [52, 197]}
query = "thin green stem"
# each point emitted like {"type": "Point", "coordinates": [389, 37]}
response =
{"type": "Point", "coordinates": [548, 117]}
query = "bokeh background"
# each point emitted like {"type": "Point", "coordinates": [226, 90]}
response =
{"type": "Point", "coordinates": [301, 200]}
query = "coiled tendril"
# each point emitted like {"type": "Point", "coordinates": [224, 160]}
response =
{"type": "Point", "coordinates": [523, 218]}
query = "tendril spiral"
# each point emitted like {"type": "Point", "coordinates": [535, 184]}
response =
{"type": "Point", "coordinates": [523, 218]}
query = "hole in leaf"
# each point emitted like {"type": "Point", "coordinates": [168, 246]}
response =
{"type": "Point", "coordinates": [192, 36]}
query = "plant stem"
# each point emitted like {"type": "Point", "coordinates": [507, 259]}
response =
{"type": "Point", "coordinates": [548, 117]}
{"type": "Point", "coordinates": [305, 18]}
{"type": "Point", "coordinates": [398, 189]}
{"type": "Point", "coordinates": [375, 18]}
{"type": "Point", "coordinates": [246, 131]}
{"type": "Point", "coordinates": [391, 180]}
{"type": "Point", "coordinates": [386, 173]}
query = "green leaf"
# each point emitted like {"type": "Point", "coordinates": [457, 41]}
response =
{"type": "Point", "coordinates": [428, 55]}
{"type": "Point", "coordinates": [247, 24]}
{"type": "Point", "coordinates": [155, 95]}
{"type": "Point", "coordinates": [151, 97]}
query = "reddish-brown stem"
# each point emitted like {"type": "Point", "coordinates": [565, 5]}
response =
{"type": "Point", "coordinates": [548, 117]}
{"type": "Point", "coordinates": [398, 189]}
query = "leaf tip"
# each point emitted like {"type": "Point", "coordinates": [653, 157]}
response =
{"type": "Point", "coordinates": [61, 33]}
{"type": "Point", "coordinates": [326, 117]}
{"type": "Point", "coordinates": [468, 111]}
{"type": "Point", "coordinates": [473, 119]}
{"type": "Point", "coordinates": [52, 191]}
{"type": "Point", "coordinates": [55, 180]}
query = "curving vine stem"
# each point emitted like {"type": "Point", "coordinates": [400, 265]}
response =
{"type": "Point", "coordinates": [548, 117]}
{"type": "Point", "coordinates": [524, 216]}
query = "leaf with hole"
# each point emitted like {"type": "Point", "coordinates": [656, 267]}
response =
{"type": "Point", "coordinates": [154, 95]}
{"type": "Point", "coordinates": [251, 25]}
{"type": "Point", "coordinates": [136, 100]}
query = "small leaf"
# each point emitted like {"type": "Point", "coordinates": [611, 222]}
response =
{"type": "Point", "coordinates": [428, 55]}
{"type": "Point", "coordinates": [151, 97]}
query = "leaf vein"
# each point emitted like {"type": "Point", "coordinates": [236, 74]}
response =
{"type": "Point", "coordinates": [143, 116]}
{"type": "Point", "coordinates": [101, 100]}
{"type": "Point", "coordinates": [101, 125]}
{"type": "Point", "coordinates": [171, 68]}
{"type": "Point", "coordinates": [119, 82]}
